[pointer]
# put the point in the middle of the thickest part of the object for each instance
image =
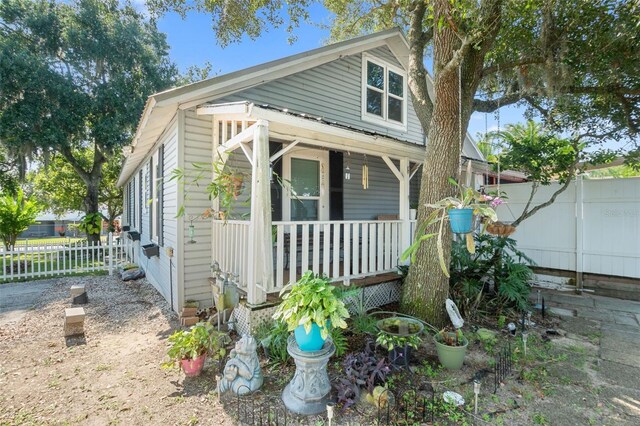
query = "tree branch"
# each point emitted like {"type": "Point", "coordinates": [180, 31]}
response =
{"type": "Point", "coordinates": [527, 214]}
{"type": "Point", "coordinates": [512, 64]}
{"type": "Point", "coordinates": [418, 84]}
{"type": "Point", "coordinates": [602, 90]}
{"type": "Point", "coordinates": [490, 105]}
{"type": "Point", "coordinates": [68, 155]}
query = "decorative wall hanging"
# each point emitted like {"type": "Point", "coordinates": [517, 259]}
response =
{"type": "Point", "coordinates": [365, 173]}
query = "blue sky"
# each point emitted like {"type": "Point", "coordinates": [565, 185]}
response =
{"type": "Point", "coordinates": [193, 42]}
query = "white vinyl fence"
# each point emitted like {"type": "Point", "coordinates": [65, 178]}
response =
{"type": "Point", "coordinates": [593, 227]}
{"type": "Point", "coordinates": [32, 260]}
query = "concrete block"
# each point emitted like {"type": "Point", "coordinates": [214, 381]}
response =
{"type": "Point", "coordinates": [73, 321]}
{"type": "Point", "coordinates": [74, 315]}
{"type": "Point", "coordinates": [77, 290]}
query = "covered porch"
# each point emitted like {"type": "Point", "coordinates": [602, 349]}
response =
{"type": "Point", "coordinates": [301, 229]}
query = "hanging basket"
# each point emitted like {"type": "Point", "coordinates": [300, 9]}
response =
{"type": "Point", "coordinates": [500, 229]}
{"type": "Point", "coordinates": [461, 220]}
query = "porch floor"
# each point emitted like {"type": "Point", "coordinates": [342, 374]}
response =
{"type": "Point", "coordinates": [369, 280]}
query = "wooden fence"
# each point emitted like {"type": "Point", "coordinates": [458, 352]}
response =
{"type": "Point", "coordinates": [32, 260]}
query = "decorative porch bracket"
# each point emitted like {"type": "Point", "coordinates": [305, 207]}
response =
{"type": "Point", "coordinates": [260, 274]}
{"type": "Point", "coordinates": [404, 177]}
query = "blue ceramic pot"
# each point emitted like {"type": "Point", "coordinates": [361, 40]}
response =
{"type": "Point", "coordinates": [312, 341]}
{"type": "Point", "coordinates": [461, 220]}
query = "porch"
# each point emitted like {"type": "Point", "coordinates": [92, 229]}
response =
{"type": "Point", "coordinates": [303, 230]}
{"type": "Point", "coordinates": [341, 250]}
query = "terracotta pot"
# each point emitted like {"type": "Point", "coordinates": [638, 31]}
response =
{"type": "Point", "coordinates": [193, 367]}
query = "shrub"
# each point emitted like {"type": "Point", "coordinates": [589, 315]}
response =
{"type": "Point", "coordinates": [273, 336]}
{"type": "Point", "coordinates": [16, 214]}
{"type": "Point", "coordinates": [494, 278]}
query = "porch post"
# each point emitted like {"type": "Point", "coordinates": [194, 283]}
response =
{"type": "Point", "coordinates": [405, 227]}
{"type": "Point", "coordinates": [260, 278]}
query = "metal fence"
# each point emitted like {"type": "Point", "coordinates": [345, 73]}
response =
{"type": "Point", "coordinates": [63, 257]}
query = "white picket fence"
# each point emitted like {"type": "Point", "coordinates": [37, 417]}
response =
{"type": "Point", "coordinates": [33, 260]}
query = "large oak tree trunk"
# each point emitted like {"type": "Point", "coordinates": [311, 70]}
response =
{"type": "Point", "coordinates": [426, 286]}
{"type": "Point", "coordinates": [92, 204]}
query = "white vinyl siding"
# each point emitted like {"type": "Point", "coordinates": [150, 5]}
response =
{"type": "Point", "coordinates": [198, 147]}
{"type": "Point", "coordinates": [382, 197]}
{"type": "Point", "coordinates": [160, 271]}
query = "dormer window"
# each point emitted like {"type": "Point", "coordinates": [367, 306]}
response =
{"type": "Point", "coordinates": [384, 93]}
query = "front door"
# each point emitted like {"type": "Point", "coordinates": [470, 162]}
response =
{"type": "Point", "coordinates": [306, 181]}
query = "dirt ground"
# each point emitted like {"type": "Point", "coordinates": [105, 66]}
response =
{"type": "Point", "coordinates": [113, 375]}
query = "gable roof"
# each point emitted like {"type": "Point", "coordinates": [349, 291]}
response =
{"type": "Point", "coordinates": [162, 107]}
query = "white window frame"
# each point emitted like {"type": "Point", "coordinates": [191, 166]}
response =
{"type": "Point", "coordinates": [323, 198]}
{"type": "Point", "coordinates": [384, 120]}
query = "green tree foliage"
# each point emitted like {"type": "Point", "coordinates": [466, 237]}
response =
{"type": "Point", "coordinates": [75, 76]}
{"type": "Point", "coordinates": [58, 186]}
{"type": "Point", "coordinates": [9, 182]}
{"type": "Point", "coordinates": [17, 212]}
{"type": "Point", "coordinates": [542, 156]}
{"type": "Point", "coordinates": [574, 64]}
{"type": "Point", "coordinates": [622, 171]}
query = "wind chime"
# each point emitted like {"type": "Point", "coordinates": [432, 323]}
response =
{"type": "Point", "coordinates": [365, 173]}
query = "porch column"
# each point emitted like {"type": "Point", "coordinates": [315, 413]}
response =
{"type": "Point", "coordinates": [260, 278]}
{"type": "Point", "coordinates": [405, 227]}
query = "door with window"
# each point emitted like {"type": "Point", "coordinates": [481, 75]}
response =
{"type": "Point", "coordinates": [306, 176]}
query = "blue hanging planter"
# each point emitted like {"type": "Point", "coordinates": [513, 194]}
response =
{"type": "Point", "coordinates": [461, 220]}
{"type": "Point", "coordinates": [312, 341]}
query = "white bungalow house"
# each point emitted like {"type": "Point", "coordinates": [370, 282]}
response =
{"type": "Point", "coordinates": [320, 120]}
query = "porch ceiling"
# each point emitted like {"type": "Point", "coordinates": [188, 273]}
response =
{"type": "Point", "coordinates": [316, 132]}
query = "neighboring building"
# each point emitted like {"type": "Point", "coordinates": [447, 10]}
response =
{"type": "Point", "coordinates": [50, 225]}
{"type": "Point", "coordinates": [315, 119]}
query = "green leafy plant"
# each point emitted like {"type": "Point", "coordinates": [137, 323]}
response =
{"type": "Point", "coordinates": [91, 223]}
{"type": "Point", "coordinates": [339, 340]}
{"type": "Point", "coordinates": [311, 300]}
{"type": "Point", "coordinates": [482, 204]}
{"type": "Point", "coordinates": [494, 278]}
{"type": "Point", "coordinates": [391, 341]}
{"type": "Point", "coordinates": [200, 339]}
{"type": "Point", "coordinates": [226, 186]}
{"type": "Point", "coordinates": [16, 214]}
{"type": "Point", "coordinates": [273, 336]}
{"type": "Point", "coordinates": [362, 322]}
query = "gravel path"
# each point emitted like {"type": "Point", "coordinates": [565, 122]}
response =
{"type": "Point", "coordinates": [113, 375]}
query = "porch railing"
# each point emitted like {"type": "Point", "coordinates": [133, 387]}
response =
{"type": "Point", "coordinates": [339, 249]}
{"type": "Point", "coordinates": [230, 247]}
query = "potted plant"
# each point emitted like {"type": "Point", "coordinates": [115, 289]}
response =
{"type": "Point", "coordinates": [189, 348]}
{"type": "Point", "coordinates": [309, 308]}
{"type": "Point", "coordinates": [398, 335]}
{"type": "Point", "coordinates": [459, 212]}
{"type": "Point", "coordinates": [451, 348]}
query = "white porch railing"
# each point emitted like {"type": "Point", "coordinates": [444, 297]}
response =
{"type": "Point", "coordinates": [339, 249]}
{"type": "Point", "coordinates": [230, 247]}
{"type": "Point", "coordinates": [32, 260]}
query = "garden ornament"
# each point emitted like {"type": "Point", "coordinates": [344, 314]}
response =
{"type": "Point", "coordinates": [454, 314]}
{"type": "Point", "coordinates": [242, 373]}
